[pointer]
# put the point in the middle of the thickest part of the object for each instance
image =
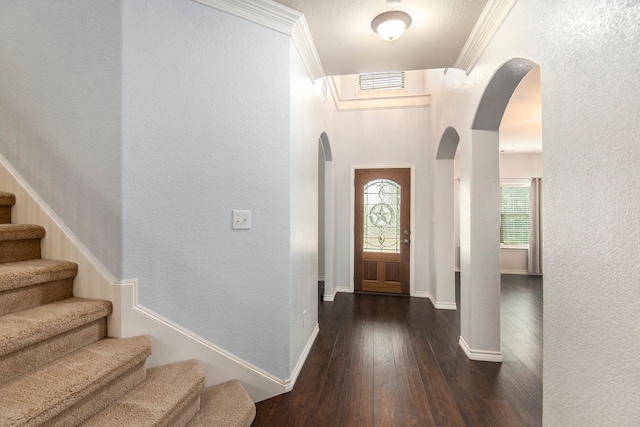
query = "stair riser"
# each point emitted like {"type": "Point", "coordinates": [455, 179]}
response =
{"type": "Point", "coordinates": [31, 296]}
{"type": "Point", "coordinates": [183, 418]}
{"type": "Point", "coordinates": [28, 359]}
{"type": "Point", "coordinates": [98, 400]}
{"type": "Point", "coordinates": [5, 214]}
{"type": "Point", "coordinates": [19, 250]}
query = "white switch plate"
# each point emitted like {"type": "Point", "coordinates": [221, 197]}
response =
{"type": "Point", "coordinates": [241, 220]}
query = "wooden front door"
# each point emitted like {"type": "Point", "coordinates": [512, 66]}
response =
{"type": "Point", "coordinates": [382, 234]}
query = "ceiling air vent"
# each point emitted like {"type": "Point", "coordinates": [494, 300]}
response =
{"type": "Point", "coordinates": [384, 80]}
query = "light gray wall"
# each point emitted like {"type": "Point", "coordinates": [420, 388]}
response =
{"type": "Point", "coordinates": [589, 67]}
{"type": "Point", "coordinates": [520, 166]}
{"type": "Point", "coordinates": [512, 166]}
{"type": "Point", "coordinates": [206, 130]}
{"type": "Point", "coordinates": [385, 137]}
{"type": "Point", "coordinates": [60, 112]}
{"type": "Point", "coordinates": [309, 118]}
{"type": "Point", "coordinates": [321, 216]}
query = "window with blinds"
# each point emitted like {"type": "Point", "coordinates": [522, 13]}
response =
{"type": "Point", "coordinates": [386, 80]}
{"type": "Point", "coordinates": [514, 215]}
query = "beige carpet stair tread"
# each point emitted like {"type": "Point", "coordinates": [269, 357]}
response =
{"type": "Point", "coordinates": [225, 405]}
{"type": "Point", "coordinates": [20, 232]}
{"type": "Point", "coordinates": [23, 361]}
{"type": "Point", "coordinates": [14, 275]}
{"type": "Point", "coordinates": [158, 400]}
{"type": "Point", "coordinates": [42, 395]}
{"type": "Point", "coordinates": [58, 368]}
{"type": "Point", "coordinates": [7, 199]}
{"type": "Point", "coordinates": [26, 327]}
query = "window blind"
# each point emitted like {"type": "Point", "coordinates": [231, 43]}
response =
{"type": "Point", "coordinates": [514, 215]}
{"type": "Point", "coordinates": [385, 80]}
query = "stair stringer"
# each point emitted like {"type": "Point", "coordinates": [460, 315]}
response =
{"type": "Point", "coordinates": [93, 279]}
{"type": "Point", "coordinates": [171, 342]}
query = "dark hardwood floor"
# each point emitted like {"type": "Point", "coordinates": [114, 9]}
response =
{"type": "Point", "coordinates": [393, 361]}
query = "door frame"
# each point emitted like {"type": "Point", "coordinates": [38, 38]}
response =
{"type": "Point", "coordinates": [352, 213]}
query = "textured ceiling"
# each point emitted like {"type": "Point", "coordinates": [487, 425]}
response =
{"type": "Point", "coordinates": [341, 31]}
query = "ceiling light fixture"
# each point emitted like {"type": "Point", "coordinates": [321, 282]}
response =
{"type": "Point", "coordinates": [390, 25]}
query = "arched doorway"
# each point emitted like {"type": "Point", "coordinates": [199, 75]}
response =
{"type": "Point", "coordinates": [443, 290]}
{"type": "Point", "coordinates": [325, 220]}
{"type": "Point", "coordinates": [480, 217]}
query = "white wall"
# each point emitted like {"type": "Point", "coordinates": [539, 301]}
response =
{"type": "Point", "coordinates": [310, 112]}
{"type": "Point", "coordinates": [516, 168]}
{"type": "Point", "coordinates": [520, 166]}
{"type": "Point", "coordinates": [206, 129]}
{"type": "Point", "coordinates": [60, 112]}
{"type": "Point", "coordinates": [382, 137]}
{"type": "Point", "coordinates": [512, 167]}
{"type": "Point", "coordinates": [588, 57]}
{"type": "Point", "coordinates": [321, 214]}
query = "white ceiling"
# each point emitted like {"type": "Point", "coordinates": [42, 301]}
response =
{"type": "Point", "coordinates": [346, 44]}
{"type": "Point", "coordinates": [521, 126]}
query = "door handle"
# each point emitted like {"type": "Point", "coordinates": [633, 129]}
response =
{"type": "Point", "coordinates": [407, 241]}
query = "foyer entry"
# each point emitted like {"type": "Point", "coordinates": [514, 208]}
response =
{"type": "Point", "coordinates": [382, 232]}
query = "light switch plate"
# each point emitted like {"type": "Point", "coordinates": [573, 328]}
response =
{"type": "Point", "coordinates": [241, 220]}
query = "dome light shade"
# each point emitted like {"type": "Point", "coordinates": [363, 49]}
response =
{"type": "Point", "coordinates": [390, 25]}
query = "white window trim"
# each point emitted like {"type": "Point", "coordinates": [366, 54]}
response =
{"type": "Point", "coordinates": [515, 182]}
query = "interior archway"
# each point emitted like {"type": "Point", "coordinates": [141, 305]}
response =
{"type": "Point", "coordinates": [480, 217]}
{"type": "Point", "coordinates": [443, 289]}
{"type": "Point", "coordinates": [326, 273]}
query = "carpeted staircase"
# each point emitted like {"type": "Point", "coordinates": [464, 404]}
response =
{"type": "Point", "coordinates": [59, 368]}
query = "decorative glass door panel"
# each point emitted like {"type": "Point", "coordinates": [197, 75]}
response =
{"type": "Point", "coordinates": [382, 216]}
{"type": "Point", "coordinates": [382, 247]}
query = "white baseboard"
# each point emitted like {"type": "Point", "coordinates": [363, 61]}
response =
{"type": "Point", "coordinates": [436, 304]}
{"type": "Point", "coordinates": [521, 272]}
{"type": "Point", "coordinates": [345, 289]}
{"type": "Point", "coordinates": [330, 297]}
{"type": "Point", "coordinates": [303, 357]}
{"type": "Point", "coordinates": [480, 355]}
{"type": "Point", "coordinates": [171, 342]}
{"type": "Point", "coordinates": [422, 294]}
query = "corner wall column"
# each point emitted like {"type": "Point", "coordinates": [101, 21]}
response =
{"type": "Point", "coordinates": [445, 292]}
{"type": "Point", "coordinates": [480, 247]}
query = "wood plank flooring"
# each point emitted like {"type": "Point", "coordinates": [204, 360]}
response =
{"type": "Point", "coordinates": [393, 361]}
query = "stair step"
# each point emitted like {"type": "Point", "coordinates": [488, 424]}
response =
{"type": "Point", "coordinates": [21, 362]}
{"type": "Point", "coordinates": [20, 242]}
{"type": "Point", "coordinates": [7, 200]}
{"type": "Point", "coordinates": [27, 327]}
{"type": "Point", "coordinates": [72, 389]}
{"type": "Point", "coordinates": [226, 404]}
{"type": "Point", "coordinates": [26, 284]}
{"type": "Point", "coordinates": [170, 396]}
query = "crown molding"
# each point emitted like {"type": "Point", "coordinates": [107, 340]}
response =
{"type": "Point", "coordinates": [307, 49]}
{"type": "Point", "coordinates": [280, 18]}
{"type": "Point", "coordinates": [491, 18]}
